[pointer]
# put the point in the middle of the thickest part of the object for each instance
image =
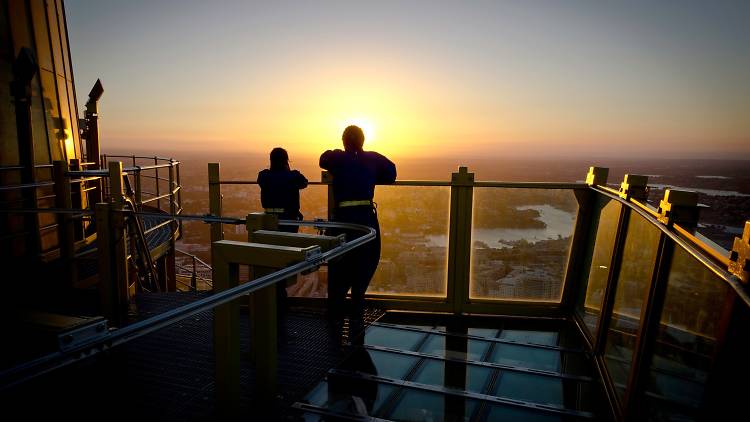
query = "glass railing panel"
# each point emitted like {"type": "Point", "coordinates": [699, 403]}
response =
{"type": "Point", "coordinates": [414, 230]}
{"type": "Point", "coordinates": [691, 322]}
{"type": "Point", "coordinates": [633, 280]}
{"type": "Point", "coordinates": [591, 293]}
{"type": "Point", "coordinates": [520, 243]}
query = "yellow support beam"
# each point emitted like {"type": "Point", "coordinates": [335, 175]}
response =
{"type": "Point", "coordinates": [227, 256]}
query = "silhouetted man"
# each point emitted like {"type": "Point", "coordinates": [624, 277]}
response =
{"type": "Point", "coordinates": [355, 174]}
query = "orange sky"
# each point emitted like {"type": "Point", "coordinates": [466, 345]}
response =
{"type": "Point", "coordinates": [490, 79]}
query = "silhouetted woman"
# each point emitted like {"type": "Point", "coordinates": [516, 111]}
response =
{"type": "Point", "coordinates": [279, 189]}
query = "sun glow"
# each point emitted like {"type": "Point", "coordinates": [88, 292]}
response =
{"type": "Point", "coordinates": [367, 126]}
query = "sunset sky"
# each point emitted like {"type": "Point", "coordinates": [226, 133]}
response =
{"type": "Point", "coordinates": [522, 78]}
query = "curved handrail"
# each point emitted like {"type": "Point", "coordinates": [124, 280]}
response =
{"type": "Point", "coordinates": [45, 364]}
{"type": "Point", "coordinates": [696, 250]}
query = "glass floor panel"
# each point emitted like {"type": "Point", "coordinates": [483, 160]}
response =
{"type": "Point", "coordinates": [529, 387]}
{"type": "Point", "coordinates": [546, 338]}
{"type": "Point", "coordinates": [345, 396]}
{"type": "Point", "coordinates": [431, 375]}
{"type": "Point", "coordinates": [508, 413]}
{"type": "Point", "coordinates": [393, 338]}
{"type": "Point", "coordinates": [420, 406]}
{"type": "Point", "coordinates": [458, 376]}
{"type": "Point", "coordinates": [391, 365]}
{"type": "Point", "coordinates": [526, 357]}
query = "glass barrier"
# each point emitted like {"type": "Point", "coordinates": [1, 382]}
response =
{"type": "Point", "coordinates": [633, 280]}
{"type": "Point", "coordinates": [414, 230]}
{"type": "Point", "coordinates": [691, 321]}
{"type": "Point", "coordinates": [520, 243]}
{"type": "Point", "coordinates": [589, 304]}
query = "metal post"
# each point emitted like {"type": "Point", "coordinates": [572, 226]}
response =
{"type": "Point", "coordinates": [226, 326]}
{"type": "Point", "coordinates": [648, 331]}
{"type": "Point", "coordinates": [327, 177]}
{"type": "Point", "coordinates": [65, 222]}
{"type": "Point", "coordinates": [459, 247]}
{"type": "Point", "coordinates": [193, 278]}
{"type": "Point", "coordinates": [227, 256]}
{"type": "Point", "coordinates": [138, 189]}
{"type": "Point", "coordinates": [169, 259]}
{"type": "Point", "coordinates": [156, 178]}
{"type": "Point", "coordinates": [214, 201]}
{"type": "Point", "coordinates": [582, 242]}
{"type": "Point", "coordinates": [113, 265]}
{"type": "Point", "coordinates": [79, 202]}
{"type": "Point", "coordinates": [116, 192]}
{"type": "Point", "coordinates": [179, 196]}
{"type": "Point", "coordinates": [263, 314]}
{"type": "Point", "coordinates": [609, 290]}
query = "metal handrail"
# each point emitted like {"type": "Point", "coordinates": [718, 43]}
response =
{"type": "Point", "coordinates": [692, 245]}
{"type": "Point", "coordinates": [141, 157]}
{"type": "Point", "coordinates": [26, 186]}
{"type": "Point", "coordinates": [125, 170]}
{"type": "Point", "coordinates": [193, 256]}
{"type": "Point", "coordinates": [45, 364]}
{"type": "Point", "coordinates": [431, 183]}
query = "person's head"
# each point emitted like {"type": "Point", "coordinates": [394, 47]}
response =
{"type": "Point", "coordinates": [279, 159]}
{"type": "Point", "coordinates": [353, 138]}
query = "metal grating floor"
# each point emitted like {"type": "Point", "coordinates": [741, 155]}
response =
{"type": "Point", "coordinates": [169, 375]}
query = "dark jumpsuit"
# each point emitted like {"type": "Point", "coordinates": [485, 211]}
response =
{"type": "Point", "coordinates": [355, 175]}
{"type": "Point", "coordinates": [280, 189]}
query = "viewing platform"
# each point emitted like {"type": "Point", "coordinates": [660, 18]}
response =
{"type": "Point", "coordinates": [635, 314]}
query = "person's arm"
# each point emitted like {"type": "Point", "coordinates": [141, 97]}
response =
{"type": "Point", "coordinates": [300, 180]}
{"type": "Point", "coordinates": [386, 173]}
{"type": "Point", "coordinates": [261, 178]}
{"type": "Point", "coordinates": [330, 158]}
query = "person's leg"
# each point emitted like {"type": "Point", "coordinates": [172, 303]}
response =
{"type": "Point", "coordinates": [337, 289]}
{"type": "Point", "coordinates": [368, 260]}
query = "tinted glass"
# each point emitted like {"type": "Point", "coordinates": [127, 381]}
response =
{"type": "Point", "coordinates": [633, 280]}
{"type": "Point", "coordinates": [414, 231]}
{"type": "Point", "coordinates": [695, 303]}
{"type": "Point", "coordinates": [590, 306]}
{"type": "Point", "coordinates": [520, 242]}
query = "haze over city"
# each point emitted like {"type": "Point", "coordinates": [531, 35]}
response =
{"type": "Point", "coordinates": [434, 79]}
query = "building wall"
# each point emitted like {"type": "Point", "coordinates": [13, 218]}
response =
{"type": "Point", "coordinates": [40, 26]}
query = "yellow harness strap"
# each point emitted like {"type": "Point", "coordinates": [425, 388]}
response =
{"type": "Point", "coordinates": [358, 203]}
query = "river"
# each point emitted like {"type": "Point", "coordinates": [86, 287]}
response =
{"type": "Point", "coordinates": [559, 223]}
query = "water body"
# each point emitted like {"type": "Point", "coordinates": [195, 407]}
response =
{"type": "Point", "coordinates": [559, 224]}
{"type": "Point", "coordinates": [710, 192]}
{"type": "Point", "coordinates": [713, 177]}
